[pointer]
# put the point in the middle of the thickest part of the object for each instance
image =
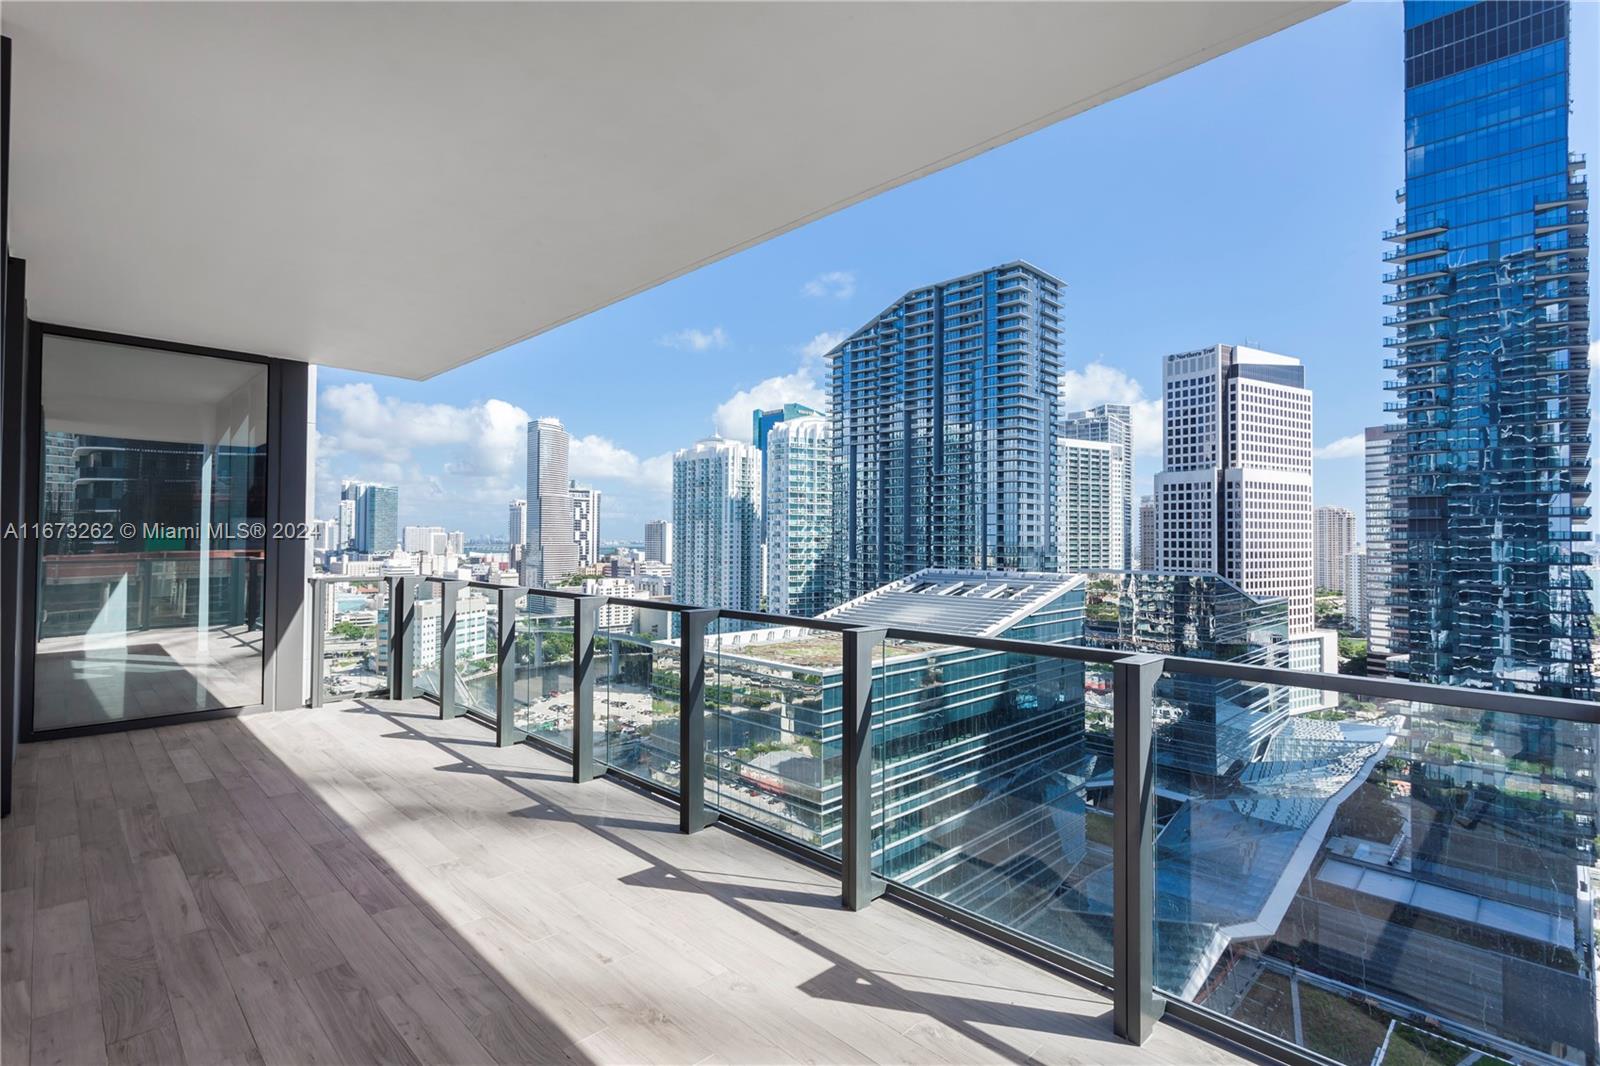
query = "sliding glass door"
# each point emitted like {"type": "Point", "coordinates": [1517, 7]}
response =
{"type": "Point", "coordinates": [152, 539]}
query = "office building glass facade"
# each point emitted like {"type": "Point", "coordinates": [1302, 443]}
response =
{"type": "Point", "coordinates": [1491, 357]}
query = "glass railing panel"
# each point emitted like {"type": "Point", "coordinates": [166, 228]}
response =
{"type": "Point", "coordinates": [477, 650]}
{"type": "Point", "coordinates": [994, 776]}
{"type": "Point", "coordinates": [636, 694]}
{"type": "Point", "coordinates": [542, 698]}
{"type": "Point", "coordinates": [429, 635]}
{"type": "Point", "coordinates": [773, 699]}
{"type": "Point", "coordinates": [355, 639]}
{"type": "Point", "coordinates": [1376, 880]}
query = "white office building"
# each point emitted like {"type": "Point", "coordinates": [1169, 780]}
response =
{"type": "Point", "coordinates": [1234, 494]}
{"type": "Point", "coordinates": [613, 616]}
{"type": "Point", "coordinates": [430, 539]}
{"type": "Point", "coordinates": [716, 516]}
{"type": "Point", "coordinates": [550, 554]}
{"type": "Point", "coordinates": [586, 524]}
{"type": "Point", "coordinates": [658, 541]}
{"type": "Point", "coordinates": [472, 630]}
{"type": "Point", "coordinates": [798, 505]}
{"type": "Point", "coordinates": [1090, 487]}
{"type": "Point", "coordinates": [1113, 424]}
{"type": "Point", "coordinates": [1333, 538]}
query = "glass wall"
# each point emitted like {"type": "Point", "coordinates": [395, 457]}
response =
{"type": "Point", "coordinates": [355, 639]}
{"type": "Point", "coordinates": [541, 703]}
{"type": "Point", "coordinates": [153, 534]}
{"type": "Point", "coordinates": [1388, 881]}
{"type": "Point", "coordinates": [993, 778]}
{"type": "Point", "coordinates": [477, 650]}
{"type": "Point", "coordinates": [429, 638]}
{"type": "Point", "coordinates": [773, 738]}
{"type": "Point", "coordinates": [636, 701]}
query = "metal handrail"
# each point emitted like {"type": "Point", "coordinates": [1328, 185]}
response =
{"type": "Point", "coordinates": [1379, 688]}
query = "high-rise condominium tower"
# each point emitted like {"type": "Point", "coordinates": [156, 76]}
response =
{"type": "Point", "coordinates": [1491, 355]}
{"type": "Point", "coordinates": [1234, 496]}
{"type": "Point", "coordinates": [1113, 423]}
{"type": "Point", "coordinates": [658, 541]}
{"type": "Point", "coordinates": [944, 412]}
{"type": "Point", "coordinates": [552, 554]}
{"type": "Point", "coordinates": [1380, 458]}
{"type": "Point", "coordinates": [1332, 538]}
{"type": "Point", "coordinates": [586, 523]}
{"type": "Point", "coordinates": [345, 534]}
{"type": "Point", "coordinates": [1355, 589]}
{"type": "Point", "coordinates": [377, 516]}
{"type": "Point", "coordinates": [761, 422]}
{"type": "Point", "coordinates": [1089, 512]}
{"type": "Point", "coordinates": [798, 512]}
{"type": "Point", "coordinates": [517, 524]}
{"type": "Point", "coordinates": [716, 514]}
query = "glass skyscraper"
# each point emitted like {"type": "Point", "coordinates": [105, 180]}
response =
{"type": "Point", "coordinates": [1490, 356]}
{"type": "Point", "coordinates": [944, 411]}
{"type": "Point", "coordinates": [377, 517]}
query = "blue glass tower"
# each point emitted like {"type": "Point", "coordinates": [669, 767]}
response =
{"type": "Point", "coordinates": [1491, 355]}
{"type": "Point", "coordinates": [944, 411]}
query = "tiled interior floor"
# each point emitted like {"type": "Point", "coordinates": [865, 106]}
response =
{"type": "Point", "coordinates": [366, 883]}
{"type": "Point", "coordinates": [144, 674]}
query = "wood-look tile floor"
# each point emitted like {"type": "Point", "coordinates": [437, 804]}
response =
{"type": "Point", "coordinates": [363, 883]}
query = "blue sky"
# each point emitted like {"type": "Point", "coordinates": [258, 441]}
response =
{"type": "Point", "coordinates": [1239, 202]}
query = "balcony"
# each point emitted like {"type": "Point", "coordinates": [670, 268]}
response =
{"type": "Point", "coordinates": [1402, 277]}
{"type": "Point", "coordinates": [557, 743]}
{"type": "Point", "coordinates": [366, 882]}
{"type": "Point", "coordinates": [495, 847]}
{"type": "Point", "coordinates": [1577, 196]}
{"type": "Point", "coordinates": [1400, 235]}
{"type": "Point", "coordinates": [1577, 221]}
{"type": "Point", "coordinates": [1407, 253]}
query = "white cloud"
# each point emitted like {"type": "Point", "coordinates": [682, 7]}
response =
{"type": "Point", "coordinates": [732, 417]}
{"type": "Point", "coordinates": [1352, 447]}
{"type": "Point", "coordinates": [599, 459]}
{"type": "Point", "coordinates": [486, 435]}
{"type": "Point", "coordinates": [1098, 383]}
{"type": "Point", "coordinates": [696, 340]}
{"type": "Point", "coordinates": [474, 454]}
{"type": "Point", "coordinates": [838, 284]}
{"type": "Point", "coordinates": [822, 344]}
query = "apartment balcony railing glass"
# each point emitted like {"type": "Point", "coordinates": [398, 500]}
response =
{"type": "Point", "coordinates": [1312, 864]}
{"type": "Point", "coordinates": [350, 637]}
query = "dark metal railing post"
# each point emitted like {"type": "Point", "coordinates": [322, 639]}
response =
{"type": "Point", "coordinates": [692, 626]}
{"type": "Point", "coordinates": [449, 593]}
{"type": "Point", "coordinates": [860, 887]}
{"type": "Point", "coordinates": [505, 679]}
{"type": "Point", "coordinates": [1135, 1008]}
{"type": "Point", "coordinates": [585, 620]}
{"type": "Point", "coordinates": [402, 636]}
{"type": "Point", "coordinates": [319, 635]}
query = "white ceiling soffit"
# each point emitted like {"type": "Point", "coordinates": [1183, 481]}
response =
{"type": "Point", "coordinates": [401, 188]}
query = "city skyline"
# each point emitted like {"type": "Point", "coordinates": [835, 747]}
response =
{"type": "Point", "coordinates": [700, 353]}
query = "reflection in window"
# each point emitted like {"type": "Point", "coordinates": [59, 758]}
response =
{"type": "Point", "coordinates": [154, 499]}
